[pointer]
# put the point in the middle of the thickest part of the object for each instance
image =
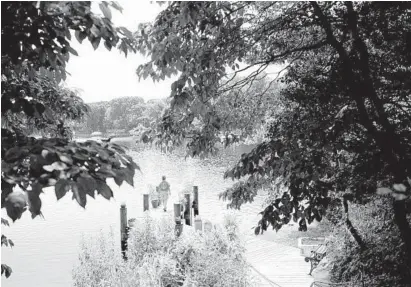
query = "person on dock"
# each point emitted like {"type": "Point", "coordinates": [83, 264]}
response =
{"type": "Point", "coordinates": [165, 192]}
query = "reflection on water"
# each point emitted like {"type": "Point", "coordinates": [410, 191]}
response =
{"type": "Point", "coordinates": [46, 249]}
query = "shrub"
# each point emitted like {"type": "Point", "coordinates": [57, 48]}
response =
{"type": "Point", "coordinates": [156, 257]}
{"type": "Point", "coordinates": [382, 263]}
{"type": "Point", "coordinates": [99, 262]}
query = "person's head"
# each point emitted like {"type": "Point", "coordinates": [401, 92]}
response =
{"type": "Point", "coordinates": [164, 177]}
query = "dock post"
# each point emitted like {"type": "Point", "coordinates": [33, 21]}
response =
{"type": "Point", "coordinates": [123, 229]}
{"type": "Point", "coordinates": [195, 201]}
{"type": "Point", "coordinates": [146, 205]}
{"type": "Point", "coordinates": [187, 211]}
{"type": "Point", "coordinates": [177, 218]}
{"type": "Point", "coordinates": [198, 224]}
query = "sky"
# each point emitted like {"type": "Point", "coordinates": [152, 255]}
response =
{"type": "Point", "coordinates": [102, 75]}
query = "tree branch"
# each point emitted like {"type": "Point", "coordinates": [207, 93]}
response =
{"type": "Point", "coordinates": [350, 227]}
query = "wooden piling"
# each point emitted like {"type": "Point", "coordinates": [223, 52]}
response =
{"type": "Point", "coordinates": [123, 228]}
{"type": "Point", "coordinates": [146, 204]}
{"type": "Point", "coordinates": [198, 224]}
{"type": "Point", "coordinates": [177, 218]}
{"type": "Point", "coordinates": [195, 201]}
{"type": "Point", "coordinates": [187, 211]}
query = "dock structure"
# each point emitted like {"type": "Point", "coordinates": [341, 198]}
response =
{"type": "Point", "coordinates": [277, 263]}
{"type": "Point", "coordinates": [272, 263]}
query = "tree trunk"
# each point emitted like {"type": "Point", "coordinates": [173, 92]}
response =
{"type": "Point", "coordinates": [393, 153]}
{"type": "Point", "coordinates": [392, 148]}
{"type": "Point", "coordinates": [349, 225]}
{"type": "Point", "coordinates": [400, 218]}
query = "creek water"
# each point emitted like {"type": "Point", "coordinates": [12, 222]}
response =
{"type": "Point", "coordinates": [46, 249]}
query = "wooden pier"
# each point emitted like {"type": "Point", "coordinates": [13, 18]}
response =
{"type": "Point", "coordinates": [272, 263]}
{"type": "Point", "coordinates": [280, 264]}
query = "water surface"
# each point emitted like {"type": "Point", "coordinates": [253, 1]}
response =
{"type": "Point", "coordinates": [46, 249]}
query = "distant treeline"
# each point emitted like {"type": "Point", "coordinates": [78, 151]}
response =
{"type": "Point", "coordinates": [122, 116]}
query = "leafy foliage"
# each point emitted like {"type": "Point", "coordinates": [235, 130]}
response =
{"type": "Point", "coordinates": [343, 128]}
{"type": "Point", "coordinates": [376, 225]}
{"type": "Point", "coordinates": [35, 51]}
{"type": "Point", "coordinates": [245, 110]}
{"type": "Point", "coordinates": [6, 270]}
{"type": "Point", "coordinates": [128, 113]}
{"type": "Point", "coordinates": [156, 257]}
{"type": "Point", "coordinates": [39, 105]}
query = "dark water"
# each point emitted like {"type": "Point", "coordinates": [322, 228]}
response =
{"type": "Point", "coordinates": [46, 249]}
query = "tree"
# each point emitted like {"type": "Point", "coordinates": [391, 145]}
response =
{"type": "Point", "coordinates": [124, 113]}
{"type": "Point", "coordinates": [35, 49]}
{"type": "Point", "coordinates": [245, 110]}
{"type": "Point", "coordinates": [344, 128]}
{"type": "Point", "coordinates": [375, 223]}
{"type": "Point", "coordinates": [95, 120]}
{"type": "Point", "coordinates": [241, 113]}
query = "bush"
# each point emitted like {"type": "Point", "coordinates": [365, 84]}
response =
{"type": "Point", "coordinates": [382, 263]}
{"type": "Point", "coordinates": [99, 262]}
{"type": "Point", "coordinates": [156, 257]}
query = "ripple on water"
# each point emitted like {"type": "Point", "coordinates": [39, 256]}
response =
{"type": "Point", "coordinates": [46, 249]}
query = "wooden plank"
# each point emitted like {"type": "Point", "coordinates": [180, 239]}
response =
{"type": "Point", "coordinates": [281, 264]}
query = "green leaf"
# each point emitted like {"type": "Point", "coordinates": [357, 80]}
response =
{"type": "Point", "coordinates": [400, 187]}
{"type": "Point", "coordinates": [6, 189]}
{"type": "Point", "coordinates": [34, 200]}
{"type": "Point", "coordinates": [103, 154]}
{"type": "Point", "coordinates": [106, 10]}
{"type": "Point", "coordinates": [95, 31]}
{"type": "Point", "coordinates": [5, 222]}
{"type": "Point", "coordinates": [15, 204]}
{"type": "Point", "coordinates": [116, 6]}
{"type": "Point", "coordinates": [65, 158]}
{"type": "Point", "coordinates": [80, 36]}
{"type": "Point", "coordinates": [128, 176]}
{"type": "Point", "coordinates": [58, 165]}
{"type": "Point", "coordinates": [61, 188]}
{"type": "Point", "coordinates": [6, 270]}
{"type": "Point", "coordinates": [67, 34]}
{"type": "Point", "coordinates": [104, 189]}
{"type": "Point", "coordinates": [399, 196]}
{"type": "Point", "coordinates": [96, 42]}
{"type": "Point", "coordinates": [119, 178]}
{"type": "Point", "coordinates": [126, 32]}
{"type": "Point", "coordinates": [123, 47]}
{"type": "Point", "coordinates": [71, 50]}
{"type": "Point", "coordinates": [88, 184]}
{"type": "Point", "coordinates": [44, 153]}
{"type": "Point", "coordinates": [28, 108]}
{"type": "Point", "coordinates": [107, 45]}
{"type": "Point", "coordinates": [48, 114]}
{"type": "Point", "coordinates": [105, 172]}
{"type": "Point", "coordinates": [118, 148]}
{"type": "Point", "coordinates": [13, 154]}
{"type": "Point", "coordinates": [40, 108]}
{"type": "Point", "coordinates": [4, 240]}
{"type": "Point", "coordinates": [79, 194]}
{"type": "Point", "coordinates": [383, 191]}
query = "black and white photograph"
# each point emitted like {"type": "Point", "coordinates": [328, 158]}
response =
{"type": "Point", "coordinates": [206, 143]}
